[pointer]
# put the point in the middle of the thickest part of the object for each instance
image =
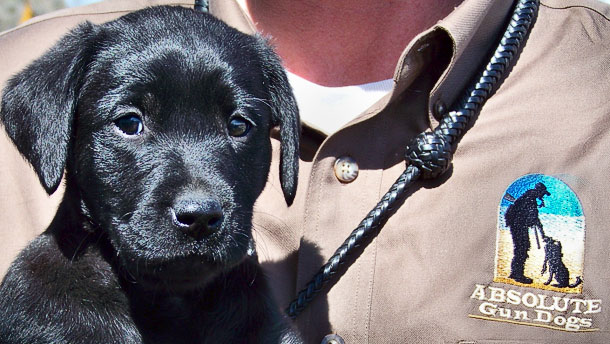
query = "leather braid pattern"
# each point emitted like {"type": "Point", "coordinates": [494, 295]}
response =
{"type": "Point", "coordinates": [375, 219]}
{"type": "Point", "coordinates": [429, 154]}
{"type": "Point", "coordinates": [202, 6]}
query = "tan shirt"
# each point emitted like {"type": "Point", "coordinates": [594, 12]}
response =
{"type": "Point", "coordinates": [438, 272]}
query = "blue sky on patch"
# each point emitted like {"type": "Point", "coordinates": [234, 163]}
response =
{"type": "Point", "coordinates": [562, 201]}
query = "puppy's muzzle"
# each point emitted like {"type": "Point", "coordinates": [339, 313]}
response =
{"type": "Point", "coordinates": [197, 217]}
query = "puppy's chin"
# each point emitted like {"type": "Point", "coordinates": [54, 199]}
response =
{"type": "Point", "coordinates": [158, 257]}
{"type": "Point", "coordinates": [178, 276]}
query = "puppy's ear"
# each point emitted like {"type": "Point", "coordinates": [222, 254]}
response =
{"type": "Point", "coordinates": [285, 115]}
{"type": "Point", "coordinates": [38, 104]}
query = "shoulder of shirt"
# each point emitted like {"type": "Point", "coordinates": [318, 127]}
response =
{"type": "Point", "coordinates": [602, 9]}
{"type": "Point", "coordinates": [88, 12]}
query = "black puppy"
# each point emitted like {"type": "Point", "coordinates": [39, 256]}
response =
{"type": "Point", "coordinates": [161, 120]}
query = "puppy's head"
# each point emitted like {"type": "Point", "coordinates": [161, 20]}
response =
{"type": "Point", "coordinates": [161, 119]}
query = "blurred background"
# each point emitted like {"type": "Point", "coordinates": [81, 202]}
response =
{"type": "Point", "coordinates": [13, 12]}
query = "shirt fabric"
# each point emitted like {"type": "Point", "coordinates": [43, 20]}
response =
{"type": "Point", "coordinates": [436, 273]}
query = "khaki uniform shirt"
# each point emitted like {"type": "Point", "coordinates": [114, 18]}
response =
{"type": "Point", "coordinates": [440, 269]}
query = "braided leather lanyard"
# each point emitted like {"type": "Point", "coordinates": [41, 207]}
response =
{"type": "Point", "coordinates": [429, 154]}
{"type": "Point", "coordinates": [202, 6]}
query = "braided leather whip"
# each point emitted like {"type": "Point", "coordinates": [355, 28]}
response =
{"type": "Point", "coordinates": [429, 154]}
{"type": "Point", "coordinates": [201, 5]}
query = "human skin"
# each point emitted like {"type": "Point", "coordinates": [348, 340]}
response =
{"type": "Point", "coordinates": [344, 42]}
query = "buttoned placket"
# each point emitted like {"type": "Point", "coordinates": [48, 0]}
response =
{"type": "Point", "coordinates": [349, 167]}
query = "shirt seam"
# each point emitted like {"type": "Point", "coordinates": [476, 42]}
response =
{"type": "Point", "coordinates": [380, 193]}
{"type": "Point", "coordinates": [576, 6]}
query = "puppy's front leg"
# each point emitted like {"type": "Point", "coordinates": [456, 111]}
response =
{"type": "Point", "coordinates": [50, 297]}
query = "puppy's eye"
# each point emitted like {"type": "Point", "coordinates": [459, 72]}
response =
{"type": "Point", "coordinates": [130, 124]}
{"type": "Point", "coordinates": [239, 126]}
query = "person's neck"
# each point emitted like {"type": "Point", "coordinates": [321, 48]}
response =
{"type": "Point", "coordinates": [344, 42]}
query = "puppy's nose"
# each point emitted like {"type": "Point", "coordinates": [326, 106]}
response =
{"type": "Point", "coordinates": [197, 217]}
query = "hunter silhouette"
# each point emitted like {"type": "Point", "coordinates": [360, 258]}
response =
{"type": "Point", "coordinates": [520, 217]}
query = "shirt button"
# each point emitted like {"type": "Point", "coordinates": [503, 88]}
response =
{"type": "Point", "coordinates": [333, 339]}
{"type": "Point", "coordinates": [346, 169]}
{"type": "Point", "coordinates": [440, 109]}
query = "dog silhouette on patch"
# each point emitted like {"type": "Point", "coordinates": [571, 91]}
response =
{"type": "Point", "coordinates": [553, 262]}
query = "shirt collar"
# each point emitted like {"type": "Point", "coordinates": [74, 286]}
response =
{"type": "Point", "coordinates": [473, 29]}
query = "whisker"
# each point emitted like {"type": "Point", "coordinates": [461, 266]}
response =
{"type": "Point", "coordinates": [256, 99]}
{"type": "Point", "coordinates": [76, 250]}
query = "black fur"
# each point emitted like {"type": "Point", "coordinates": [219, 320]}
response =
{"type": "Point", "coordinates": [115, 265]}
{"type": "Point", "coordinates": [553, 260]}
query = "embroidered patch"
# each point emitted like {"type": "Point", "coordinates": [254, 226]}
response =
{"type": "Point", "coordinates": [539, 244]}
{"type": "Point", "coordinates": [540, 235]}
